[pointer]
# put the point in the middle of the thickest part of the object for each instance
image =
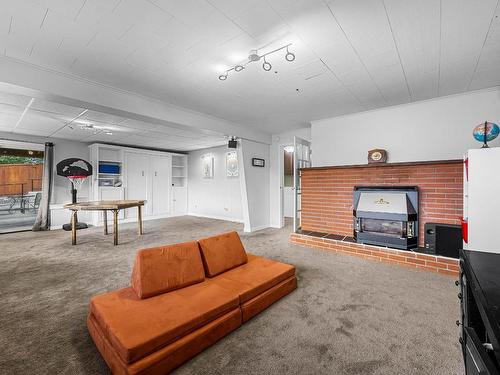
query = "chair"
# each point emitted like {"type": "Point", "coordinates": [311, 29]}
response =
{"type": "Point", "coordinates": [33, 201]}
{"type": "Point", "coordinates": [6, 204]}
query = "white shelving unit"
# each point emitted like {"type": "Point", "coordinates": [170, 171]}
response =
{"type": "Point", "coordinates": [179, 184]}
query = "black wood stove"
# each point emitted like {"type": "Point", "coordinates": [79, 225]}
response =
{"type": "Point", "coordinates": [386, 216]}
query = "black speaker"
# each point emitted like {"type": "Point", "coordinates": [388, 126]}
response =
{"type": "Point", "coordinates": [232, 143]}
{"type": "Point", "coordinates": [443, 239]}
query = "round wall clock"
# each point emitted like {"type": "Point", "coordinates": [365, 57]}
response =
{"type": "Point", "coordinates": [377, 156]}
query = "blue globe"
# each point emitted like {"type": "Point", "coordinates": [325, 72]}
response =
{"type": "Point", "coordinates": [492, 131]}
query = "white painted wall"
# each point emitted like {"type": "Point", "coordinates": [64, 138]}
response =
{"type": "Point", "coordinates": [276, 171]}
{"type": "Point", "coordinates": [219, 197]}
{"type": "Point", "coordinates": [254, 185]}
{"type": "Point", "coordinates": [435, 129]}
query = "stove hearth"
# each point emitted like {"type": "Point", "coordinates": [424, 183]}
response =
{"type": "Point", "coordinates": [386, 216]}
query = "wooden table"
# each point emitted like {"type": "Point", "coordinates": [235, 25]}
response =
{"type": "Point", "coordinates": [105, 206]}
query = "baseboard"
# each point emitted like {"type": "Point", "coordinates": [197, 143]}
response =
{"type": "Point", "coordinates": [216, 217]}
{"type": "Point", "coordinates": [121, 221]}
{"type": "Point", "coordinates": [260, 227]}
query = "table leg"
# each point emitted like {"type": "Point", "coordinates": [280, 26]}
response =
{"type": "Point", "coordinates": [115, 226]}
{"type": "Point", "coordinates": [105, 221]}
{"type": "Point", "coordinates": [139, 219]}
{"type": "Point", "coordinates": [73, 227]}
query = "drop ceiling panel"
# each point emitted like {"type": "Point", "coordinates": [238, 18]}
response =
{"type": "Point", "coordinates": [463, 32]}
{"type": "Point", "coordinates": [189, 12]}
{"type": "Point", "coordinates": [416, 26]}
{"type": "Point", "coordinates": [8, 120]}
{"type": "Point", "coordinates": [488, 66]}
{"type": "Point", "coordinates": [259, 20]}
{"type": "Point", "coordinates": [375, 49]}
{"type": "Point", "coordinates": [232, 9]}
{"type": "Point", "coordinates": [34, 121]}
{"type": "Point", "coordinates": [55, 108]}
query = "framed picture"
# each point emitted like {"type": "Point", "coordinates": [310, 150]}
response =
{"type": "Point", "coordinates": [207, 165]}
{"type": "Point", "coordinates": [257, 162]}
{"type": "Point", "coordinates": [232, 164]}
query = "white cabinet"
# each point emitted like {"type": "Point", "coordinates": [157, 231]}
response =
{"type": "Point", "coordinates": [136, 186]}
{"type": "Point", "coordinates": [148, 177]}
{"type": "Point", "coordinates": [158, 177]}
{"type": "Point", "coordinates": [160, 168]}
{"type": "Point", "coordinates": [179, 200]}
{"type": "Point", "coordinates": [481, 203]}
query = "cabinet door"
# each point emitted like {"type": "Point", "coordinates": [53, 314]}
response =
{"type": "Point", "coordinates": [179, 200]}
{"type": "Point", "coordinates": [160, 167]}
{"type": "Point", "coordinates": [137, 179]}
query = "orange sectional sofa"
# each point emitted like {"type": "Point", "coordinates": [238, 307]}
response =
{"type": "Point", "coordinates": [182, 299]}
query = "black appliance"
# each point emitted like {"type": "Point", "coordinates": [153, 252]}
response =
{"type": "Point", "coordinates": [442, 239]}
{"type": "Point", "coordinates": [386, 216]}
{"type": "Point", "coordinates": [480, 317]}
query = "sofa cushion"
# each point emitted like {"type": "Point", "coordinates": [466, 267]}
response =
{"type": "Point", "coordinates": [137, 327]}
{"type": "Point", "coordinates": [162, 269]}
{"type": "Point", "coordinates": [222, 252]}
{"type": "Point", "coordinates": [254, 277]}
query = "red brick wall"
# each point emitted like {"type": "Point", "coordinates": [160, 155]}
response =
{"type": "Point", "coordinates": [327, 193]}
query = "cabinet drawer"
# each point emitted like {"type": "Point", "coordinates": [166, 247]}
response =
{"type": "Point", "coordinates": [477, 361]}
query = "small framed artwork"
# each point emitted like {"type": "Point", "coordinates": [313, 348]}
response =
{"type": "Point", "coordinates": [232, 164]}
{"type": "Point", "coordinates": [207, 165]}
{"type": "Point", "coordinates": [257, 162]}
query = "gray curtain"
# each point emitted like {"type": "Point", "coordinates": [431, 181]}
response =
{"type": "Point", "coordinates": [42, 221]}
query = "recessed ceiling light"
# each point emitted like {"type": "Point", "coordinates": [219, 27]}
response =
{"type": "Point", "coordinates": [239, 68]}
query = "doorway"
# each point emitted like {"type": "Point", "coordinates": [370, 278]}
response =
{"type": "Point", "coordinates": [20, 187]}
{"type": "Point", "coordinates": [288, 194]}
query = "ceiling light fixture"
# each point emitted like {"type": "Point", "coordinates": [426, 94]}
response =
{"type": "Point", "coordinates": [266, 65]}
{"type": "Point", "coordinates": [254, 57]}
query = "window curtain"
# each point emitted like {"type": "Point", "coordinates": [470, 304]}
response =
{"type": "Point", "coordinates": [42, 221]}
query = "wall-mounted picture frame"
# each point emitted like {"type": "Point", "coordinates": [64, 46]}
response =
{"type": "Point", "coordinates": [257, 162]}
{"type": "Point", "coordinates": [207, 165]}
{"type": "Point", "coordinates": [232, 164]}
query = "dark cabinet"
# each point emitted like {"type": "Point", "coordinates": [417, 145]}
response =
{"type": "Point", "coordinates": [480, 311]}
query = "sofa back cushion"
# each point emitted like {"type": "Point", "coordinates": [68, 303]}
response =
{"type": "Point", "coordinates": [222, 252]}
{"type": "Point", "coordinates": [162, 269]}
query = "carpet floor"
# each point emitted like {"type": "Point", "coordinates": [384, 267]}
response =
{"type": "Point", "coordinates": [348, 315]}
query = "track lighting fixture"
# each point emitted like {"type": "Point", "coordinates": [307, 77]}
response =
{"type": "Point", "coordinates": [266, 66]}
{"type": "Point", "coordinates": [289, 56]}
{"type": "Point", "coordinates": [254, 56]}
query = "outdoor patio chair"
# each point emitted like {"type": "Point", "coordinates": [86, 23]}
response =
{"type": "Point", "coordinates": [7, 204]}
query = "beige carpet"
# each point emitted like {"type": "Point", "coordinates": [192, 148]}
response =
{"type": "Point", "coordinates": [348, 316]}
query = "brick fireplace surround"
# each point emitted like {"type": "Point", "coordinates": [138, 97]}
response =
{"type": "Point", "coordinates": [327, 218]}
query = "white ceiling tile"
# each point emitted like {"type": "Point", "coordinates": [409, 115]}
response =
{"type": "Point", "coordinates": [259, 20]}
{"type": "Point", "coordinates": [190, 12]}
{"type": "Point", "coordinates": [463, 32]}
{"type": "Point", "coordinates": [233, 9]}
{"type": "Point", "coordinates": [38, 122]}
{"type": "Point", "coordinates": [416, 27]}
